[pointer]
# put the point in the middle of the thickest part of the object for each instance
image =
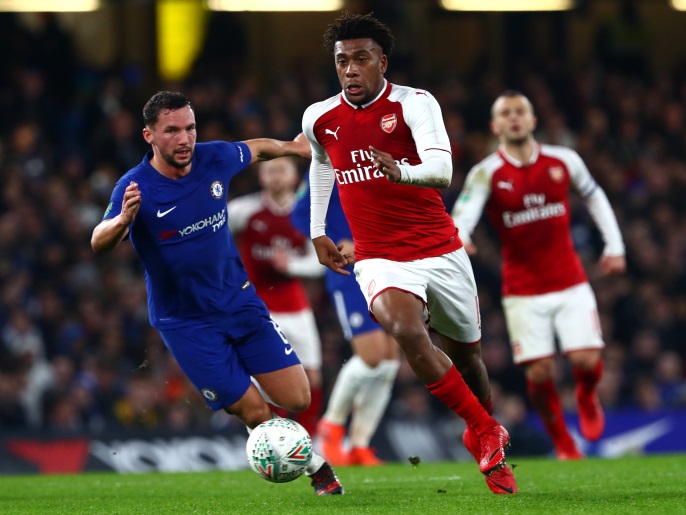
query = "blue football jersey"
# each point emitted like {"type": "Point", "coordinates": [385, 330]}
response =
{"type": "Point", "coordinates": [181, 235]}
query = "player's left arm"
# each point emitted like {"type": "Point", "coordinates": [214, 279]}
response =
{"type": "Point", "coordinates": [469, 206]}
{"type": "Point", "coordinates": [613, 260]}
{"type": "Point", "coordinates": [263, 149]}
{"type": "Point", "coordinates": [423, 116]}
{"type": "Point", "coordinates": [306, 265]}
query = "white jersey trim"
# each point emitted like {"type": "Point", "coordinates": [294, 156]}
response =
{"type": "Point", "coordinates": [322, 176]}
{"type": "Point", "coordinates": [469, 207]}
{"type": "Point", "coordinates": [241, 209]}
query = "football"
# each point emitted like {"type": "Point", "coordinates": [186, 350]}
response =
{"type": "Point", "coordinates": [279, 450]}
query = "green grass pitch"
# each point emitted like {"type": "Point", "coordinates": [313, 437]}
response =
{"type": "Point", "coordinates": [652, 484]}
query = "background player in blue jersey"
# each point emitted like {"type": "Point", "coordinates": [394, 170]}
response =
{"type": "Point", "coordinates": [173, 208]}
{"type": "Point", "coordinates": [364, 384]}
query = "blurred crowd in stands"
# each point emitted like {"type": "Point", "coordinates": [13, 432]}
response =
{"type": "Point", "coordinates": [76, 350]}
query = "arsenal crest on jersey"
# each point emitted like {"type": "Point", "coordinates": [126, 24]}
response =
{"type": "Point", "coordinates": [389, 122]}
{"type": "Point", "coordinates": [557, 173]}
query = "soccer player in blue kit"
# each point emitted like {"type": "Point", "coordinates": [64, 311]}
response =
{"type": "Point", "coordinates": [173, 208]}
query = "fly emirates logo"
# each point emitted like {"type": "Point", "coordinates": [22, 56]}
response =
{"type": "Point", "coordinates": [364, 169]}
{"type": "Point", "coordinates": [215, 222]}
{"type": "Point", "coordinates": [536, 209]}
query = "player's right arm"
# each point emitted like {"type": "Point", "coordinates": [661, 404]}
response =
{"type": "Point", "coordinates": [470, 204]}
{"type": "Point", "coordinates": [108, 233]}
{"type": "Point", "coordinates": [322, 179]}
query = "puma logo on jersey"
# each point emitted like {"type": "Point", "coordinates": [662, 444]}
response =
{"type": "Point", "coordinates": [505, 185]}
{"type": "Point", "coordinates": [333, 133]}
{"type": "Point", "coordinates": [165, 213]}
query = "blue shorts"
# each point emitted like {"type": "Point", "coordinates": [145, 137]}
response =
{"type": "Point", "coordinates": [220, 355]}
{"type": "Point", "coordinates": [351, 306]}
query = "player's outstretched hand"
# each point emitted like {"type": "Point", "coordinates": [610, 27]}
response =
{"type": "Point", "coordinates": [330, 256]}
{"type": "Point", "coordinates": [612, 265]}
{"type": "Point", "coordinates": [385, 163]}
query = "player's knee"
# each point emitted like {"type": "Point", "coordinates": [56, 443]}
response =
{"type": "Point", "coordinates": [539, 371]}
{"type": "Point", "coordinates": [371, 356]}
{"type": "Point", "coordinates": [298, 400]}
{"type": "Point", "coordinates": [585, 359]}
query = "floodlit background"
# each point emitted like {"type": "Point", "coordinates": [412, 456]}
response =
{"type": "Point", "coordinates": [77, 356]}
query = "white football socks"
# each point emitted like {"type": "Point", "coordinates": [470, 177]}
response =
{"type": "Point", "coordinates": [354, 375]}
{"type": "Point", "coordinates": [371, 402]}
{"type": "Point", "coordinates": [315, 464]}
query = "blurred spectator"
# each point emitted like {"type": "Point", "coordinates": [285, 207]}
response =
{"type": "Point", "coordinates": [13, 416]}
{"type": "Point", "coordinates": [140, 408]}
{"type": "Point", "coordinates": [669, 372]}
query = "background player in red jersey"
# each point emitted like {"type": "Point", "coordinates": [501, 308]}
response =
{"type": "Point", "coordinates": [388, 149]}
{"type": "Point", "coordinates": [261, 223]}
{"type": "Point", "coordinates": [524, 189]}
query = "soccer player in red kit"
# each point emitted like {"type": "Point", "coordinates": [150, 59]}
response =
{"type": "Point", "coordinates": [387, 148]}
{"type": "Point", "coordinates": [262, 226]}
{"type": "Point", "coordinates": [524, 189]}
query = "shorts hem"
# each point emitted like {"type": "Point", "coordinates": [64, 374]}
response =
{"type": "Point", "coordinates": [528, 361]}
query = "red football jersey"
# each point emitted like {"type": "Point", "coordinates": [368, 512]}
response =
{"type": "Point", "coordinates": [393, 221]}
{"type": "Point", "coordinates": [528, 205]}
{"type": "Point", "coordinates": [260, 227]}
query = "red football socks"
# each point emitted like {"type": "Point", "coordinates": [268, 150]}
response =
{"type": "Point", "coordinates": [586, 379]}
{"type": "Point", "coordinates": [546, 401]}
{"type": "Point", "coordinates": [452, 391]}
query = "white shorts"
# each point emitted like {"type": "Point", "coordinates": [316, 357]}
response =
{"type": "Point", "coordinates": [533, 321]}
{"type": "Point", "coordinates": [444, 283]}
{"type": "Point", "coordinates": [300, 330]}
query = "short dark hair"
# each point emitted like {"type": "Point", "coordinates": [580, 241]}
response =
{"type": "Point", "coordinates": [512, 93]}
{"type": "Point", "coordinates": [162, 100]}
{"type": "Point", "coordinates": [357, 26]}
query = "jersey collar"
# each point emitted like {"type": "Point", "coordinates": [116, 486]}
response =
{"type": "Point", "coordinates": [384, 90]}
{"type": "Point", "coordinates": [274, 208]}
{"type": "Point", "coordinates": [516, 162]}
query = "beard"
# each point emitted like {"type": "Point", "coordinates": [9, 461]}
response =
{"type": "Point", "coordinates": [171, 160]}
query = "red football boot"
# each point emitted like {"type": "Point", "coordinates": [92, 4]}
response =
{"type": "Point", "coordinates": [331, 438]}
{"type": "Point", "coordinates": [591, 416]}
{"type": "Point", "coordinates": [500, 480]}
